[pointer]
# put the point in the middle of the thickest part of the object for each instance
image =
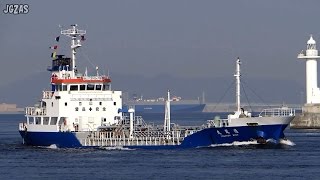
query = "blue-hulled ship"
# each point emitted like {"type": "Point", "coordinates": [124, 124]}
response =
{"type": "Point", "coordinates": [157, 105]}
{"type": "Point", "coordinates": [82, 110]}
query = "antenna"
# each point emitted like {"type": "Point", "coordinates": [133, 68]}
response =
{"type": "Point", "coordinates": [75, 34]}
{"type": "Point", "coordinates": [97, 69]}
{"type": "Point", "coordinates": [86, 72]}
{"type": "Point", "coordinates": [203, 97]}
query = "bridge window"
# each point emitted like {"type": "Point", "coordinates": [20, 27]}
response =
{"type": "Point", "coordinates": [83, 108]}
{"type": "Point", "coordinates": [77, 109]}
{"type": "Point", "coordinates": [74, 88]}
{"type": "Point", "coordinates": [59, 87]}
{"type": "Point", "coordinates": [104, 109]}
{"type": "Point", "coordinates": [100, 103]}
{"type": "Point", "coordinates": [62, 120]}
{"type": "Point", "coordinates": [97, 108]}
{"type": "Point", "coordinates": [105, 87]}
{"type": "Point", "coordinates": [44, 104]}
{"type": "Point", "coordinates": [98, 87]}
{"type": "Point", "coordinates": [64, 87]}
{"type": "Point", "coordinates": [82, 87]}
{"type": "Point", "coordinates": [80, 103]}
{"type": "Point", "coordinates": [45, 120]}
{"type": "Point", "coordinates": [38, 120]}
{"type": "Point", "coordinates": [65, 104]}
{"type": "Point", "coordinates": [90, 87]}
{"type": "Point", "coordinates": [30, 120]}
{"type": "Point", "coordinates": [115, 103]}
{"type": "Point", "coordinates": [53, 120]}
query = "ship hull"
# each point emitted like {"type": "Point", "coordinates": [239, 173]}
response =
{"type": "Point", "coordinates": [60, 139]}
{"type": "Point", "coordinates": [159, 108]}
{"type": "Point", "coordinates": [203, 138]}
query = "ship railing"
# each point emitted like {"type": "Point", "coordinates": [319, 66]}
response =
{"type": "Point", "coordinates": [217, 122]}
{"type": "Point", "coordinates": [36, 111]}
{"type": "Point", "coordinates": [22, 126]}
{"type": "Point", "coordinates": [283, 111]}
{"type": "Point", "coordinates": [94, 77]}
{"type": "Point", "coordinates": [138, 121]}
{"type": "Point", "coordinates": [149, 134]}
{"type": "Point", "coordinates": [136, 141]}
{"type": "Point", "coordinates": [88, 78]}
{"type": "Point", "coordinates": [47, 94]}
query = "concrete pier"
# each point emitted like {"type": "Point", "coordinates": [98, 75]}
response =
{"type": "Point", "coordinates": [308, 119]}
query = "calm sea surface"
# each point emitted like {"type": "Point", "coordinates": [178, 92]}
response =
{"type": "Point", "coordinates": [299, 161]}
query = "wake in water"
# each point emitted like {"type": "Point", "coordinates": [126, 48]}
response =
{"type": "Point", "coordinates": [287, 142]}
{"type": "Point", "coordinates": [119, 148]}
{"type": "Point", "coordinates": [52, 146]}
{"type": "Point", "coordinates": [269, 142]}
{"type": "Point", "coordinates": [236, 143]}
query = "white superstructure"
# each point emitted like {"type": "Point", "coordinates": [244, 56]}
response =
{"type": "Point", "coordinates": [76, 102]}
{"type": "Point", "coordinates": [311, 56]}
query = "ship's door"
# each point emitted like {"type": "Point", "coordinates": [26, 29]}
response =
{"type": "Point", "coordinates": [80, 123]}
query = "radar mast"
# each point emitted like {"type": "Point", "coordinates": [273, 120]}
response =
{"type": "Point", "coordinates": [75, 34]}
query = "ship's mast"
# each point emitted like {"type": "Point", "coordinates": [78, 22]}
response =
{"type": "Point", "coordinates": [237, 75]}
{"type": "Point", "coordinates": [74, 33]}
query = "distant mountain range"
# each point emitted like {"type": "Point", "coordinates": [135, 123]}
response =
{"type": "Point", "coordinates": [29, 90]}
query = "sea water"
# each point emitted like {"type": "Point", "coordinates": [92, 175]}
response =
{"type": "Point", "coordinates": [297, 158]}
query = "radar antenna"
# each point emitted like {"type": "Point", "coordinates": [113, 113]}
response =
{"type": "Point", "coordinates": [75, 34]}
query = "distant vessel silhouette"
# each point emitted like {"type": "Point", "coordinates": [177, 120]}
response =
{"type": "Point", "coordinates": [157, 105]}
{"type": "Point", "coordinates": [10, 109]}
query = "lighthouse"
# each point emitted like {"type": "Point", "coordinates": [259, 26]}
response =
{"type": "Point", "coordinates": [310, 116]}
{"type": "Point", "coordinates": [311, 56]}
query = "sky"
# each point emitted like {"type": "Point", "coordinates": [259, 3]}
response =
{"type": "Point", "coordinates": [180, 39]}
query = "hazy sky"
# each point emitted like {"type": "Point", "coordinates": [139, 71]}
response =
{"type": "Point", "coordinates": [180, 38]}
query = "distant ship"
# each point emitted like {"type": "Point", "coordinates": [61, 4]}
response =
{"type": "Point", "coordinates": [81, 111]}
{"type": "Point", "coordinates": [178, 105]}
